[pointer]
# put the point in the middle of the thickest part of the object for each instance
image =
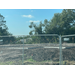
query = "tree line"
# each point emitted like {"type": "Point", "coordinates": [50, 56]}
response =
{"type": "Point", "coordinates": [4, 31]}
{"type": "Point", "coordinates": [61, 23]}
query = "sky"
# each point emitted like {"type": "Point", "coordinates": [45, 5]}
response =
{"type": "Point", "coordinates": [18, 20]}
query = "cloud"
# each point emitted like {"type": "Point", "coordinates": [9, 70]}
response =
{"type": "Point", "coordinates": [28, 16]}
{"type": "Point", "coordinates": [34, 21]}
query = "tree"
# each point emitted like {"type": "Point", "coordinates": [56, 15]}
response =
{"type": "Point", "coordinates": [4, 31]}
{"type": "Point", "coordinates": [3, 27]}
{"type": "Point", "coordinates": [61, 22]}
{"type": "Point", "coordinates": [37, 28]}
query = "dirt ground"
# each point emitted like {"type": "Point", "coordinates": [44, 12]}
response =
{"type": "Point", "coordinates": [12, 54]}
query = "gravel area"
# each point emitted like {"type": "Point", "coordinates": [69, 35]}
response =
{"type": "Point", "coordinates": [13, 52]}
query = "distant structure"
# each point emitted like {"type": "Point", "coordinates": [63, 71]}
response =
{"type": "Point", "coordinates": [1, 41]}
{"type": "Point", "coordinates": [25, 40]}
{"type": "Point", "coordinates": [28, 39]}
{"type": "Point", "coordinates": [21, 40]}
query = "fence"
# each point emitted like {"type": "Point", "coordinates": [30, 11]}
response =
{"type": "Point", "coordinates": [43, 49]}
{"type": "Point", "coordinates": [68, 41]}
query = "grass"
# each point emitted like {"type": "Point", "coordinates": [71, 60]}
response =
{"type": "Point", "coordinates": [30, 61]}
{"type": "Point", "coordinates": [33, 62]}
{"type": "Point", "coordinates": [11, 63]}
{"type": "Point", "coordinates": [7, 63]}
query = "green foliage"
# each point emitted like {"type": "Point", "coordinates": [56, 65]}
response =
{"type": "Point", "coordinates": [37, 28]}
{"type": "Point", "coordinates": [3, 27]}
{"type": "Point", "coordinates": [62, 24]}
{"type": "Point", "coordinates": [4, 32]}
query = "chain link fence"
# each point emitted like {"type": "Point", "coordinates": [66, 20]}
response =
{"type": "Point", "coordinates": [10, 51]}
{"type": "Point", "coordinates": [40, 49]}
{"type": "Point", "coordinates": [68, 41]}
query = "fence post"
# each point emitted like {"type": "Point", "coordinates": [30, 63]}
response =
{"type": "Point", "coordinates": [60, 47]}
{"type": "Point", "coordinates": [23, 52]}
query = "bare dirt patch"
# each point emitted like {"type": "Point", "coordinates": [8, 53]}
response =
{"type": "Point", "coordinates": [14, 56]}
